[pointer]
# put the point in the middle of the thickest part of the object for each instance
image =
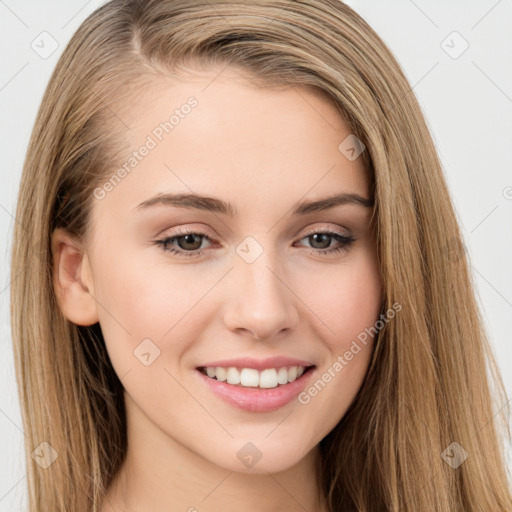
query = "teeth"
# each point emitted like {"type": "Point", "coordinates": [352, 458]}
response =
{"type": "Point", "coordinates": [282, 376]}
{"type": "Point", "coordinates": [250, 377]}
{"type": "Point", "coordinates": [220, 373]}
{"type": "Point", "coordinates": [233, 376]}
{"type": "Point", "coordinates": [268, 378]}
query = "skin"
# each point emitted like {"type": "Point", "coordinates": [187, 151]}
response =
{"type": "Point", "coordinates": [264, 150]}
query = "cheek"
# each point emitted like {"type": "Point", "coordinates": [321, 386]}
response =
{"type": "Point", "coordinates": [347, 299]}
{"type": "Point", "coordinates": [348, 308]}
{"type": "Point", "coordinates": [141, 302]}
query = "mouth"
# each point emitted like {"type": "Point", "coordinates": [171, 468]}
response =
{"type": "Point", "coordinates": [267, 378]}
{"type": "Point", "coordinates": [256, 391]}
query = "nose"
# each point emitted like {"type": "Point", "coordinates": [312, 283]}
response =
{"type": "Point", "coordinates": [261, 303]}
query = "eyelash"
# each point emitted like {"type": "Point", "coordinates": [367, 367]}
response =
{"type": "Point", "coordinates": [345, 241]}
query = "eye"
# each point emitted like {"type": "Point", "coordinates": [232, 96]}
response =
{"type": "Point", "coordinates": [324, 239]}
{"type": "Point", "coordinates": [188, 243]}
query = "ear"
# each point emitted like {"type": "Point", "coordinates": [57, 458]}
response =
{"type": "Point", "coordinates": [72, 279]}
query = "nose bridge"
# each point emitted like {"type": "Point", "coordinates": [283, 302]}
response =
{"type": "Point", "coordinates": [260, 301]}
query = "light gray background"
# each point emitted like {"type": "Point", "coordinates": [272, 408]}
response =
{"type": "Point", "coordinates": [467, 102]}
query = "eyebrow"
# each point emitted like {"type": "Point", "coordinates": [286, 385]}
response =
{"type": "Point", "coordinates": [215, 205]}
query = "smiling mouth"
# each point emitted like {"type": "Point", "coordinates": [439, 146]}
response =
{"type": "Point", "coordinates": [252, 378]}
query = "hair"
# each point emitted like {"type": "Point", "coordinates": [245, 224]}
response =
{"type": "Point", "coordinates": [432, 379]}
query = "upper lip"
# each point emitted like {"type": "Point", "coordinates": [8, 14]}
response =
{"type": "Point", "coordinates": [258, 364]}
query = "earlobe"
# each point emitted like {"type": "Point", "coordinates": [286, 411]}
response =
{"type": "Point", "coordinates": [72, 279]}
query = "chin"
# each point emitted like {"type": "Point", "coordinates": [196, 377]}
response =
{"type": "Point", "coordinates": [259, 457]}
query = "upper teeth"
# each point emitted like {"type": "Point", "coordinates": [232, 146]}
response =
{"type": "Point", "coordinates": [251, 377]}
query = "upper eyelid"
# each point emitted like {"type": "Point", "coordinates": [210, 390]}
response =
{"type": "Point", "coordinates": [205, 232]}
{"type": "Point", "coordinates": [313, 231]}
{"type": "Point", "coordinates": [325, 229]}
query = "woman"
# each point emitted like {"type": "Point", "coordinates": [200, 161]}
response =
{"type": "Point", "coordinates": [253, 368]}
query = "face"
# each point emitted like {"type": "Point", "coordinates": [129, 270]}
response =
{"type": "Point", "coordinates": [185, 289]}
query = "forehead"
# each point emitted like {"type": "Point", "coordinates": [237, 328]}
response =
{"type": "Point", "coordinates": [215, 133]}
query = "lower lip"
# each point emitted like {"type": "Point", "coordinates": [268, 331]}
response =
{"type": "Point", "coordinates": [257, 399]}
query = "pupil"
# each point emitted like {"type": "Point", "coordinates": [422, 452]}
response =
{"type": "Point", "coordinates": [189, 239]}
{"type": "Point", "coordinates": [320, 235]}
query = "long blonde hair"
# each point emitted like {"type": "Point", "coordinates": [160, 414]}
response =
{"type": "Point", "coordinates": [432, 380]}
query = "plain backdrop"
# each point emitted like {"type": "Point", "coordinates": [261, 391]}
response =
{"type": "Point", "coordinates": [457, 57]}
